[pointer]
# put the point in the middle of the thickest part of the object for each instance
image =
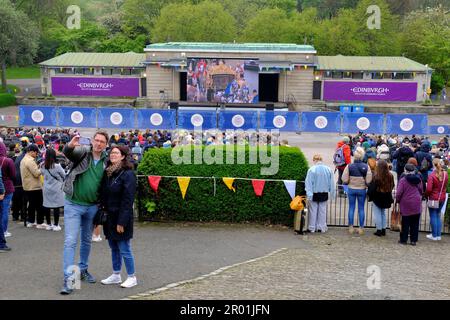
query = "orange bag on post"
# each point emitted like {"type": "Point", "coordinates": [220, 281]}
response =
{"type": "Point", "coordinates": [297, 203]}
{"type": "Point", "coordinates": [396, 218]}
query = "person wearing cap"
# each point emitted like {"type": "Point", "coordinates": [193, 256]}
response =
{"type": "Point", "coordinates": [409, 196]}
{"type": "Point", "coordinates": [345, 145]}
{"type": "Point", "coordinates": [319, 184]}
{"type": "Point", "coordinates": [31, 182]}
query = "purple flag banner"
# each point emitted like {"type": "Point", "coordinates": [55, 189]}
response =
{"type": "Point", "coordinates": [369, 91]}
{"type": "Point", "coordinates": [105, 87]}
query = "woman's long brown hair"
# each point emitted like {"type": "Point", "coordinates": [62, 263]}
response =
{"type": "Point", "coordinates": [383, 178]}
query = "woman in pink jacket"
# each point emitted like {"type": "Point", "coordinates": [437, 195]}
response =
{"type": "Point", "coordinates": [436, 190]}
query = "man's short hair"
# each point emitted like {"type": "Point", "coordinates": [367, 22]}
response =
{"type": "Point", "coordinates": [103, 133]}
{"type": "Point", "coordinates": [32, 148]}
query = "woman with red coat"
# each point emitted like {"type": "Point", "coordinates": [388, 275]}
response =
{"type": "Point", "coordinates": [436, 190]}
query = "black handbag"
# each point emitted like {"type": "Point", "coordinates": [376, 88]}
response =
{"type": "Point", "coordinates": [100, 217]}
{"type": "Point", "coordinates": [320, 196]}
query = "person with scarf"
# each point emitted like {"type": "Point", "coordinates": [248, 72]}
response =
{"type": "Point", "coordinates": [117, 193]}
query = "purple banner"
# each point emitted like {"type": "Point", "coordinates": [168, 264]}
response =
{"type": "Point", "coordinates": [369, 91]}
{"type": "Point", "coordinates": [109, 87]}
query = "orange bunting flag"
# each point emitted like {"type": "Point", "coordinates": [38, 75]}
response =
{"type": "Point", "coordinates": [258, 186]}
{"type": "Point", "coordinates": [229, 183]}
{"type": "Point", "coordinates": [183, 182]}
{"type": "Point", "coordinates": [154, 182]}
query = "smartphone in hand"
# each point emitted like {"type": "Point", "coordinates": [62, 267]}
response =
{"type": "Point", "coordinates": [85, 141]}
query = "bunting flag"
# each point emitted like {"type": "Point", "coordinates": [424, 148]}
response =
{"type": "Point", "coordinates": [154, 182]}
{"type": "Point", "coordinates": [3, 118]}
{"type": "Point", "coordinates": [229, 183]}
{"type": "Point", "coordinates": [17, 118]}
{"type": "Point", "coordinates": [183, 182]}
{"type": "Point", "coordinates": [290, 187]}
{"type": "Point", "coordinates": [258, 186]}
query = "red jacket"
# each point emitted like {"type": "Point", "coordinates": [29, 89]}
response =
{"type": "Point", "coordinates": [434, 187]}
{"type": "Point", "coordinates": [347, 153]}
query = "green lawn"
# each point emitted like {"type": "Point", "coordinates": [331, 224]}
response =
{"type": "Point", "coordinates": [30, 72]}
{"type": "Point", "coordinates": [10, 89]}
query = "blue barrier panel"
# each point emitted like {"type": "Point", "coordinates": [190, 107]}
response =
{"type": "Point", "coordinates": [439, 129]}
{"type": "Point", "coordinates": [37, 116]}
{"type": "Point", "coordinates": [120, 118]}
{"type": "Point", "coordinates": [366, 122]}
{"type": "Point", "coordinates": [191, 120]}
{"type": "Point", "coordinates": [156, 119]}
{"type": "Point", "coordinates": [321, 122]}
{"type": "Point", "coordinates": [280, 120]}
{"type": "Point", "coordinates": [233, 120]}
{"type": "Point", "coordinates": [77, 117]}
{"type": "Point", "coordinates": [406, 124]}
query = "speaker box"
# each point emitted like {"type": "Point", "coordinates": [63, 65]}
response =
{"type": "Point", "coordinates": [270, 106]}
{"type": "Point", "coordinates": [173, 105]}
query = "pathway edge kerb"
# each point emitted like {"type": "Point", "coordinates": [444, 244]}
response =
{"type": "Point", "coordinates": [214, 273]}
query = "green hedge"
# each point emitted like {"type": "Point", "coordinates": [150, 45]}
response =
{"type": "Point", "coordinates": [7, 100]}
{"type": "Point", "coordinates": [200, 204]}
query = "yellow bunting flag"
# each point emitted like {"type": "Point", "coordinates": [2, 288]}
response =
{"type": "Point", "coordinates": [17, 118]}
{"type": "Point", "coordinates": [229, 183]}
{"type": "Point", "coordinates": [183, 182]}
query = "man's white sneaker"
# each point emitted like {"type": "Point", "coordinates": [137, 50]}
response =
{"type": "Point", "coordinates": [430, 236]}
{"type": "Point", "coordinates": [30, 225]}
{"type": "Point", "coordinates": [97, 239]}
{"type": "Point", "coordinates": [112, 279]}
{"type": "Point", "coordinates": [49, 227]}
{"type": "Point", "coordinates": [42, 226]}
{"type": "Point", "coordinates": [56, 228]}
{"type": "Point", "coordinates": [438, 238]}
{"type": "Point", "coordinates": [7, 234]}
{"type": "Point", "coordinates": [129, 283]}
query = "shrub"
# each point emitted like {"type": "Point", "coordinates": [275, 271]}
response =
{"type": "Point", "coordinates": [200, 204]}
{"type": "Point", "coordinates": [7, 100]}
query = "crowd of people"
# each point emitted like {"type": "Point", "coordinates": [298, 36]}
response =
{"type": "Point", "coordinates": [388, 170]}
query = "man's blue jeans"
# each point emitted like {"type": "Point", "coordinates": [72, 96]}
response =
{"type": "Point", "coordinates": [435, 220]}
{"type": "Point", "coordinates": [77, 218]}
{"type": "Point", "coordinates": [119, 250]}
{"type": "Point", "coordinates": [353, 195]}
{"type": "Point", "coordinates": [5, 207]}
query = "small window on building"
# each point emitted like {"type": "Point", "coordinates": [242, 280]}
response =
{"type": "Point", "coordinates": [347, 75]}
{"type": "Point", "coordinates": [376, 75]}
{"type": "Point", "coordinates": [397, 76]}
{"type": "Point", "coordinates": [45, 80]}
{"type": "Point", "coordinates": [337, 75]}
{"type": "Point", "coordinates": [357, 75]}
{"type": "Point", "coordinates": [126, 71]}
{"type": "Point", "coordinates": [69, 70]}
{"type": "Point", "coordinates": [107, 71]}
{"type": "Point", "coordinates": [387, 75]}
{"type": "Point", "coordinates": [116, 71]}
{"type": "Point", "coordinates": [136, 71]}
{"type": "Point", "coordinates": [327, 74]}
{"type": "Point", "coordinates": [88, 70]}
{"type": "Point", "coordinates": [79, 70]}
{"type": "Point", "coordinates": [407, 75]}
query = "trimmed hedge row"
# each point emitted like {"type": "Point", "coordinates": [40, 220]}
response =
{"type": "Point", "coordinates": [7, 100]}
{"type": "Point", "coordinates": [200, 204]}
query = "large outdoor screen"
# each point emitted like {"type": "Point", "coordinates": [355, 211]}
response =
{"type": "Point", "coordinates": [222, 80]}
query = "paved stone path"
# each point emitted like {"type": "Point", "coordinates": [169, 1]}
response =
{"type": "Point", "coordinates": [330, 266]}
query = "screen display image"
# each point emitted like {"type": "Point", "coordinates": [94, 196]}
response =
{"type": "Point", "coordinates": [222, 81]}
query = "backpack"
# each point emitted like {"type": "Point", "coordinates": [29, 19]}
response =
{"type": "Point", "coordinates": [424, 165]}
{"type": "Point", "coordinates": [338, 157]}
{"type": "Point", "coordinates": [372, 163]}
{"type": "Point", "coordinates": [403, 160]}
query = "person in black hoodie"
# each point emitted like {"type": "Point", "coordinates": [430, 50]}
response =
{"type": "Point", "coordinates": [424, 161]}
{"type": "Point", "coordinates": [402, 155]}
{"type": "Point", "coordinates": [117, 192]}
{"type": "Point", "coordinates": [380, 193]}
{"type": "Point", "coordinates": [19, 200]}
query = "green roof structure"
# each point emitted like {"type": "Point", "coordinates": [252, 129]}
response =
{"type": "Point", "coordinates": [353, 63]}
{"type": "Point", "coordinates": [231, 47]}
{"type": "Point", "coordinates": [92, 59]}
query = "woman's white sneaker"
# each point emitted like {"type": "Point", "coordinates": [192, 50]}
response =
{"type": "Point", "coordinates": [430, 236]}
{"type": "Point", "coordinates": [56, 228]}
{"type": "Point", "coordinates": [129, 283]}
{"type": "Point", "coordinates": [42, 226]}
{"type": "Point", "coordinates": [112, 279]}
{"type": "Point", "coordinates": [96, 239]}
{"type": "Point", "coordinates": [49, 227]}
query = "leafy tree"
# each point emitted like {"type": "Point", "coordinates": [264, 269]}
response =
{"type": "Point", "coordinates": [18, 38]}
{"type": "Point", "coordinates": [204, 22]}
{"type": "Point", "coordinates": [269, 25]}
